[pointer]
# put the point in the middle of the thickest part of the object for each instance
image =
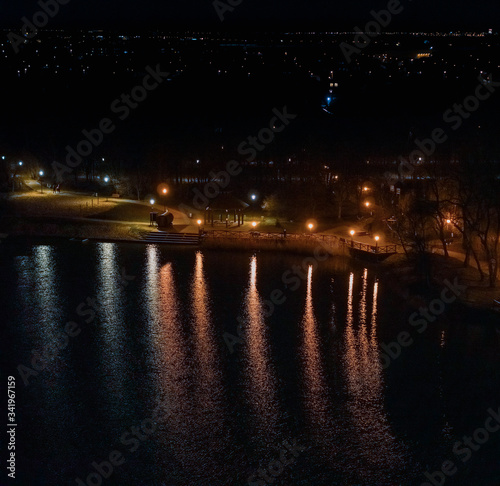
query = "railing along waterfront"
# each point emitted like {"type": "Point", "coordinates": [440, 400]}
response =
{"type": "Point", "coordinates": [331, 240]}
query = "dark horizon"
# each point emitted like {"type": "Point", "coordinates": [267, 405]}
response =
{"type": "Point", "coordinates": [259, 15]}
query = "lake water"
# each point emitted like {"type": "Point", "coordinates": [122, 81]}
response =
{"type": "Point", "coordinates": [304, 396]}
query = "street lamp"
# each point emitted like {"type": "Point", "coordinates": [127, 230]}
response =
{"type": "Point", "coordinates": [376, 243]}
{"type": "Point", "coordinates": [448, 221]}
{"type": "Point", "coordinates": [352, 232]}
{"type": "Point", "coordinates": [310, 226]}
{"type": "Point", "coordinates": [152, 218]}
{"type": "Point", "coordinates": [14, 175]}
{"type": "Point", "coordinates": [106, 179]}
{"type": "Point", "coordinates": [254, 224]}
{"type": "Point", "coordinates": [164, 192]}
{"type": "Point", "coordinates": [40, 180]}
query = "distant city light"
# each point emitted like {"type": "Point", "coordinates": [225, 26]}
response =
{"type": "Point", "coordinates": [3, 157]}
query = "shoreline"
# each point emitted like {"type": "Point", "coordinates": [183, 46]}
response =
{"type": "Point", "coordinates": [396, 269]}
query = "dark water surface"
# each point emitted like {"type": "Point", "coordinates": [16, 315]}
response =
{"type": "Point", "coordinates": [304, 396]}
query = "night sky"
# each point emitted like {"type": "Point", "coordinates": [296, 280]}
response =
{"type": "Point", "coordinates": [259, 14]}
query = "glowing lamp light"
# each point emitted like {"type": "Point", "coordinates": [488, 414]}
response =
{"type": "Point", "coordinates": [41, 173]}
{"type": "Point", "coordinates": [377, 238]}
{"type": "Point", "coordinates": [20, 162]}
{"type": "Point", "coordinates": [3, 157]}
{"type": "Point", "coordinates": [254, 224]}
{"type": "Point", "coordinates": [254, 197]}
{"type": "Point", "coordinates": [352, 232]}
{"type": "Point", "coordinates": [367, 204]}
{"type": "Point", "coordinates": [448, 221]}
{"type": "Point", "coordinates": [199, 222]}
{"type": "Point", "coordinates": [310, 226]}
{"type": "Point", "coordinates": [151, 201]}
{"type": "Point", "coordinates": [365, 189]}
{"type": "Point", "coordinates": [165, 191]}
{"type": "Point", "coordinates": [106, 179]}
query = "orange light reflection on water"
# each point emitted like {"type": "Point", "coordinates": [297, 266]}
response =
{"type": "Point", "coordinates": [365, 381]}
{"type": "Point", "coordinates": [262, 382]}
{"type": "Point", "coordinates": [315, 388]}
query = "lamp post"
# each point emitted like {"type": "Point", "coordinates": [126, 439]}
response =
{"type": "Point", "coordinates": [151, 215]}
{"type": "Point", "coordinates": [40, 180]}
{"type": "Point", "coordinates": [352, 235]}
{"type": "Point", "coordinates": [376, 243]}
{"type": "Point", "coordinates": [19, 164]}
{"type": "Point", "coordinates": [311, 227]}
{"type": "Point", "coordinates": [165, 191]}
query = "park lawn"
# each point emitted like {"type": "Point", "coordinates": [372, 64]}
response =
{"type": "Point", "coordinates": [75, 206]}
